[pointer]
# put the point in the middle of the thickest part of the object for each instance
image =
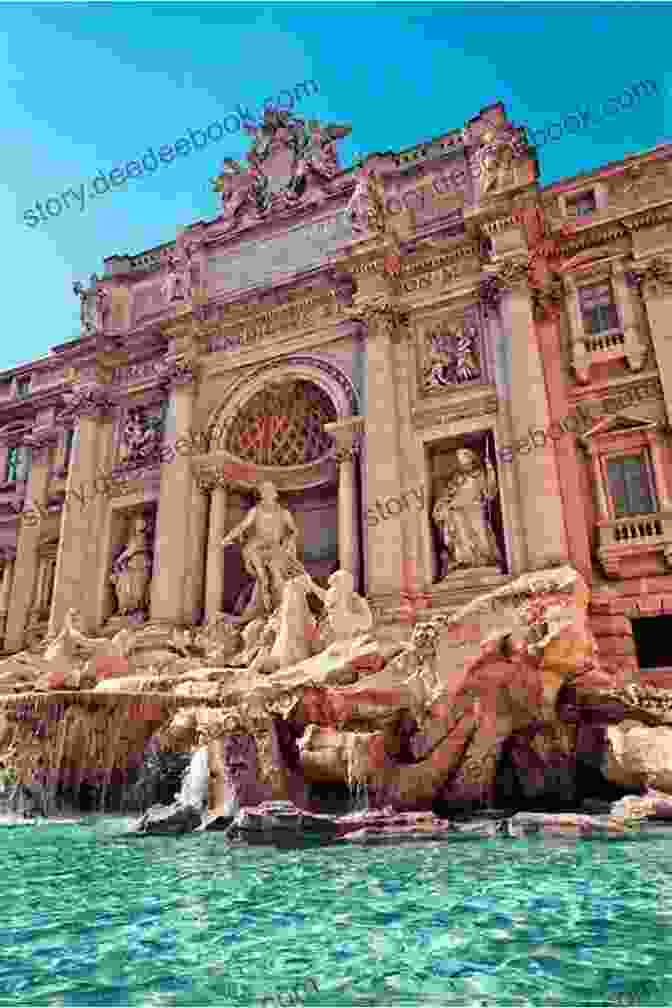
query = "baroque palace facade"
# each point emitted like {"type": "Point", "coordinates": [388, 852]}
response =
{"type": "Point", "coordinates": [450, 374]}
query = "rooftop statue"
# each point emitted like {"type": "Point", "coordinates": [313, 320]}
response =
{"type": "Point", "coordinates": [287, 153]}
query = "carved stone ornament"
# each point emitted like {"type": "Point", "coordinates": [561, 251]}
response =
{"type": "Point", "coordinates": [652, 280]}
{"type": "Point", "coordinates": [490, 294]}
{"type": "Point", "coordinates": [287, 154]}
{"type": "Point", "coordinates": [382, 316]}
{"type": "Point", "coordinates": [513, 274]}
{"type": "Point", "coordinates": [141, 435]}
{"type": "Point", "coordinates": [547, 301]}
{"type": "Point", "coordinates": [179, 371]}
{"type": "Point", "coordinates": [209, 479]}
{"type": "Point", "coordinates": [90, 401]}
{"type": "Point", "coordinates": [451, 355]}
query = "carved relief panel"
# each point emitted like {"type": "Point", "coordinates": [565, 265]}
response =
{"type": "Point", "coordinates": [451, 352]}
{"type": "Point", "coordinates": [141, 434]}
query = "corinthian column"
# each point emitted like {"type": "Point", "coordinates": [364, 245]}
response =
{"type": "Point", "coordinates": [28, 541]}
{"type": "Point", "coordinates": [170, 548]}
{"type": "Point", "coordinates": [214, 577]}
{"type": "Point", "coordinates": [543, 521]}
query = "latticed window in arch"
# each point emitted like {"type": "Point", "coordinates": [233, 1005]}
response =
{"type": "Point", "coordinates": [282, 425]}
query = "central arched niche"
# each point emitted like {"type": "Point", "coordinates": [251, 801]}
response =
{"type": "Point", "coordinates": [280, 429]}
{"type": "Point", "coordinates": [282, 425]}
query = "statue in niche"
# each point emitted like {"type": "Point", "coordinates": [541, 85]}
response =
{"type": "Point", "coordinates": [131, 571]}
{"type": "Point", "coordinates": [141, 436]}
{"type": "Point", "coordinates": [452, 356]}
{"type": "Point", "coordinates": [270, 553]}
{"type": "Point", "coordinates": [462, 514]}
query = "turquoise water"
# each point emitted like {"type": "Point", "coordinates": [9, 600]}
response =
{"type": "Point", "coordinates": [93, 917]}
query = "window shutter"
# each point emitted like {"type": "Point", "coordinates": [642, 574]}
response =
{"type": "Point", "coordinates": [629, 486]}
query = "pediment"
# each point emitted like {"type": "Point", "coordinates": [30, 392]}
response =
{"type": "Point", "coordinates": [619, 423]}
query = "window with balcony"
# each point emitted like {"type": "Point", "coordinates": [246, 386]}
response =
{"type": "Point", "coordinates": [583, 204]}
{"type": "Point", "coordinates": [22, 387]}
{"type": "Point", "coordinates": [598, 309]}
{"type": "Point", "coordinates": [630, 485]}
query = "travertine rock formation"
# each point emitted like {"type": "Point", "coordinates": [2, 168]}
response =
{"type": "Point", "coordinates": [502, 701]}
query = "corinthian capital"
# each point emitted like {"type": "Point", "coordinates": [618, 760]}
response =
{"type": "Point", "coordinates": [514, 274]}
{"type": "Point", "coordinates": [382, 315]}
{"type": "Point", "coordinates": [90, 401]}
{"type": "Point", "coordinates": [347, 435]}
{"type": "Point", "coordinates": [179, 371]}
{"type": "Point", "coordinates": [652, 280]}
{"type": "Point", "coordinates": [547, 301]}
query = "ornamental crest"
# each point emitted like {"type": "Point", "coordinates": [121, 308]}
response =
{"type": "Point", "coordinates": [288, 157]}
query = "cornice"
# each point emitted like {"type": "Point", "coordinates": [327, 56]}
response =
{"type": "Point", "coordinates": [653, 279]}
{"type": "Point", "coordinates": [481, 401]}
{"type": "Point", "coordinates": [618, 227]}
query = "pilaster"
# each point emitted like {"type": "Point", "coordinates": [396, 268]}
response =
{"type": "Point", "coordinates": [654, 281]}
{"type": "Point", "coordinates": [385, 541]}
{"type": "Point", "coordinates": [9, 557]}
{"type": "Point", "coordinates": [170, 546]}
{"type": "Point", "coordinates": [80, 533]}
{"type": "Point", "coordinates": [28, 542]}
{"type": "Point", "coordinates": [541, 502]}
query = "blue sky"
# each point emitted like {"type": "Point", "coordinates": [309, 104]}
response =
{"type": "Point", "coordinates": [87, 87]}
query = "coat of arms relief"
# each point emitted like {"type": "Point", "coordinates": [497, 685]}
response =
{"type": "Point", "coordinates": [290, 158]}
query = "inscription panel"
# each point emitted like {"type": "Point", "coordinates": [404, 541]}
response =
{"type": "Point", "coordinates": [268, 259]}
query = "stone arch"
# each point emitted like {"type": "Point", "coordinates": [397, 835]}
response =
{"type": "Point", "coordinates": [333, 398]}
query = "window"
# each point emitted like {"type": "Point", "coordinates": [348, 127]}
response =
{"type": "Point", "coordinates": [630, 485]}
{"type": "Point", "coordinates": [12, 464]}
{"type": "Point", "coordinates": [22, 387]}
{"type": "Point", "coordinates": [652, 641]}
{"type": "Point", "coordinates": [583, 204]}
{"type": "Point", "coordinates": [598, 308]}
{"type": "Point", "coordinates": [69, 435]}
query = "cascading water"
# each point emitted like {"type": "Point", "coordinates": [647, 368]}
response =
{"type": "Point", "coordinates": [357, 784]}
{"type": "Point", "coordinates": [194, 789]}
